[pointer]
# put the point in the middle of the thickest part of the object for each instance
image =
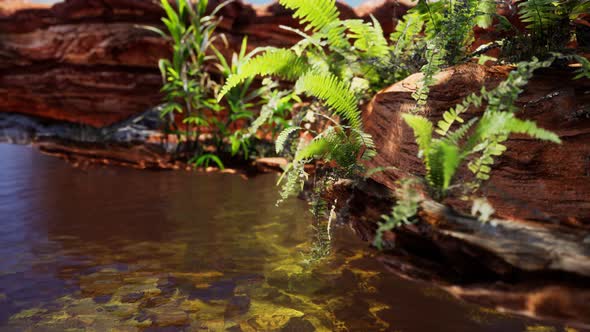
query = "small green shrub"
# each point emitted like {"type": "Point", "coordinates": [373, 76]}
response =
{"type": "Point", "coordinates": [480, 139]}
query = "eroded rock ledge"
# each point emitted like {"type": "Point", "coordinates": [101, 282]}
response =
{"type": "Point", "coordinates": [90, 62]}
{"type": "Point", "coordinates": [534, 257]}
{"type": "Point", "coordinates": [522, 268]}
{"type": "Point", "coordinates": [533, 180]}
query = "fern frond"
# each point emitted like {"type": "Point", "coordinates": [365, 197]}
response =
{"type": "Point", "coordinates": [292, 180]}
{"type": "Point", "coordinates": [538, 14]}
{"type": "Point", "coordinates": [334, 93]}
{"type": "Point", "coordinates": [283, 137]}
{"type": "Point", "coordinates": [443, 161]}
{"type": "Point", "coordinates": [368, 38]}
{"type": "Point", "coordinates": [406, 207]}
{"type": "Point", "coordinates": [531, 129]}
{"type": "Point", "coordinates": [454, 114]}
{"type": "Point", "coordinates": [316, 13]}
{"type": "Point", "coordinates": [335, 35]}
{"type": "Point", "coordinates": [318, 147]}
{"type": "Point", "coordinates": [407, 31]}
{"type": "Point", "coordinates": [366, 143]}
{"type": "Point", "coordinates": [482, 166]}
{"type": "Point", "coordinates": [283, 63]}
{"type": "Point", "coordinates": [422, 130]}
{"type": "Point", "coordinates": [456, 136]}
{"type": "Point", "coordinates": [434, 56]}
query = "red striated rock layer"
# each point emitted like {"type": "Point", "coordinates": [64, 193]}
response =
{"type": "Point", "coordinates": [534, 180]}
{"type": "Point", "coordinates": [387, 12]}
{"type": "Point", "coordinates": [90, 62]}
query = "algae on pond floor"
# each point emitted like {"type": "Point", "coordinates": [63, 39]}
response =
{"type": "Point", "coordinates": [174, 250]}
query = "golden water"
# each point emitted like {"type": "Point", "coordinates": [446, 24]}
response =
{"type": "Point", "coordinates": [115, 249]}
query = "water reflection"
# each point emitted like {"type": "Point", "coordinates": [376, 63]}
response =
{"type": "Point", "coordinates": [115, 248]}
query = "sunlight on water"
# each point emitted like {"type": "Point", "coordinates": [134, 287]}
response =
{"type": "Point", "coordinates": [123, 250]}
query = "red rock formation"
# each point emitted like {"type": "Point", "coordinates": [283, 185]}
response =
{"type": "Point", "coordinates": [89, 61]}
{"type": "Point", "coordinates": [534, 180]}
{"type": "Point", "coordinates": [387, 12]}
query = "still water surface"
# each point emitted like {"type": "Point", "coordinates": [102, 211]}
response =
{"type": "Point", "coordinates": [116, 249]}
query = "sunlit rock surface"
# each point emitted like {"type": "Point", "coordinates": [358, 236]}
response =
{"type": "Point", "coordinates": [533, 180]}
{"type": "Point", "coordinates": [91, 62]}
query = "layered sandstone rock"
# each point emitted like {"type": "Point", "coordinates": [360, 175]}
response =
{"type": "Point", "coordinates": [387, 12]}
{"type": "Point", "coordinates": [90, 62]}
{"type": "Point", "coordinates": [524, 268]}
{"type": "Point", "coordinates": [533, 180]}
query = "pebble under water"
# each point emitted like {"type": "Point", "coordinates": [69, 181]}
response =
{"type": "Point", "coordinates": [116, 249]}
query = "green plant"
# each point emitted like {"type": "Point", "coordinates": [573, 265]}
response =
{"type": "Point", "coordinates": [477, 141]}
{"type": "Point", "coordinates": [481, 144]}
{"type": "Point", "coordinates": [408, 200]}
{"type": "Point", "coordinates": [189, 89]}
{"type": "Point", "coordinates": [549, 28]}
{"type": "Point", "coordinates": [323, 65]}
{"type": "Point", "coordinates": [447, 33]}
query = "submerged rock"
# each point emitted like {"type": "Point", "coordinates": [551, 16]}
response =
{"type": "Point", "coordinates": [298, 324]}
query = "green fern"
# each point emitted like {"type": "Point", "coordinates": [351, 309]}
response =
{"type": "Point", "coordinates": [334, 93]}
{"type": "Point", "coordinates": [408, 199]}
{"type": "Point", "coordinates": [292, 180]}
{"type": "Point", "coordinates": [538, 14]}
{"type": "Point", "coordinates": [443, 156]}
{"type": "Point", "coordinates": [280, 62]}
{"type": "Point", "coordinates": [434, 56]}
{"type": "Point", "coordinates": [317, 14]}
{"type": "Point", "coordinates": [443, 161]}
{"type": "Point", "coordinates": [422, 130]}
{"type": "Point", "coordinates": [283, 137]}
{"type": "Point", "coordinates": [454, 114]}
{"type": "Point", "coordinates": [368, 38]}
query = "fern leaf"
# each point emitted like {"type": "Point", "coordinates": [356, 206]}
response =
{"type": "Point", "coordinates": [530, 128]}
{"type": "Point", "coordinates": [454, 114]}
{"type": "Point", "coordinates": [407, 31]}
{"type": "Point", "coordinates": [317, 148]}
{"type": "Point", "coordinates": [444, 160]}
{"type": "Point", "coordinates": [316, 13]}
{"type": "Point", "coordinates": [368, 38]}
{"type": "Point", "coordinates": [456, 136]}
{"type": "Point", "coordinates": [334, 93]}
{"type": "Point", "coordinates": [283, 137]}
{"type": "Point", "coordinates": [366, 143]}
{"type": "Point", "coordinates": [280, 62]}
{"type": "Point", "coordinates": [422, 130]}
{"type": "Point", "coordinates": [435, 57]}
{"type": "Point", "coordinates": [538, 14]}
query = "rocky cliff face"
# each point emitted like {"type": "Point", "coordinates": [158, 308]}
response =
{"type": "Point", "coordinates": [90, 62]}
{"type": "Point", "coordinates": [534, 180]}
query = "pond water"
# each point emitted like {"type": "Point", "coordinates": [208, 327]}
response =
{"type": "Point", "coordinates": [115, 249]}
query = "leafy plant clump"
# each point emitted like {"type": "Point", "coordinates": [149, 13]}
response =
{"type": "Point", "coordinates": [209, 130]}
{"type": "Point", "coordinates": [332, 68]}
{"type": "Point", "coordinates": [335, 67]}
{"type": "Point", "coordinates": [476, 142]}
